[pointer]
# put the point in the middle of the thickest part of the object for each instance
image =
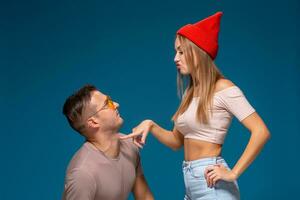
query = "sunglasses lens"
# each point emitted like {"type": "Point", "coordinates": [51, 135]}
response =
{"type": "Point", "coordinates": [111, 104]}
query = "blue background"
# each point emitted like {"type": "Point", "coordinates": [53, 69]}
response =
{"type": "Point", "coordinates": [48, 49]}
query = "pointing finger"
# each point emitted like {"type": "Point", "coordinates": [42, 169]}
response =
{"type": "Point", "coordinates": [131, 135]}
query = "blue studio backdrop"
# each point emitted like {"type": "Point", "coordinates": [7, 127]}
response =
{"type": "Point", "coordinates": [48, 49]}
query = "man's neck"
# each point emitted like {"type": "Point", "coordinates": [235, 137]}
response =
{"type": "Point", "coordinates": [107, 142]}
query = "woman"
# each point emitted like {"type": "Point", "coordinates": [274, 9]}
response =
{"type": "Point", "coordinates": [204, 115]}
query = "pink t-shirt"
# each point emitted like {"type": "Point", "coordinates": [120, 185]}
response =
{"type": "Point", "coordinates": [226, 104]}
{"type": "Point", "coordinates": [93, 176]}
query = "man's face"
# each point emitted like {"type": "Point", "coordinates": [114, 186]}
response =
{"type": "Point", "coordinates": [104, 112]}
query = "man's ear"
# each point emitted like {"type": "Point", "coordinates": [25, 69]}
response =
{"type": "Point", "coordinates": [92, 123]}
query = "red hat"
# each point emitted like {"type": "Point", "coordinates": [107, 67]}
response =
{"type": "Point", "coordinates": [204, 33]}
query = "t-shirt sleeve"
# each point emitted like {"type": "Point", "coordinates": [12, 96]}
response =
{"type": "Point", "coordinates": [139, 169]}
{"type": "Point", "coordinates": [135, 154]}
{"type": "Point", "coordinates": [79, 185]}
{"type": "Point", "coordinates": [235, 102]}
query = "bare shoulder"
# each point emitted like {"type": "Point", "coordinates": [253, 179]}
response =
{"type": "Point", "coordinates": [223, 84]}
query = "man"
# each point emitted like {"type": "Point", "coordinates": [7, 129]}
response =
{"type": "Point", "coordinates": [105, 167]}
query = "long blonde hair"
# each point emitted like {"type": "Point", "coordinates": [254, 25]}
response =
{"type": "Point", "coordinates": [201, 80]}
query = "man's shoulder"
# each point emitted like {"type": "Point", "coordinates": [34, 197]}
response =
{"type": "Point", "coordinates": [79, 172]}
{"type": "Point", "coordinates": [81, 159]}
{"type": "Point", "coordinates": [128, 143]}
{"type": "Point", "coordinates": [79, 182]}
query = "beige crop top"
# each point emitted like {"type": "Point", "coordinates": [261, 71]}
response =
{"type": "Point", "coordinates": [226, 103]}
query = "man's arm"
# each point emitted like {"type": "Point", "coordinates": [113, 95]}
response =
{"type": "Point", "coordinates": [140, 190]}
{"type": "Point", "coordinates": [79, 185]}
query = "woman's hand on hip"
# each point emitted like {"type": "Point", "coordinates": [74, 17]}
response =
{"type": "Point", "coordinates": [218, 172]}
{"type": "Point", "coordinates": [139, 133]}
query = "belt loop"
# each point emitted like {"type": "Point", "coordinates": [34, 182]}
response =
{"type": "Point", "coordinates": [187, 167]}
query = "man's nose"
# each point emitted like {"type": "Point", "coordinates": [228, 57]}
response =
{"type": "Point", "coordinates": [116, 105]}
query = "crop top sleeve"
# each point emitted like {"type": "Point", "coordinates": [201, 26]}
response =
{"type": "Point", "coordinates": [235, 102]}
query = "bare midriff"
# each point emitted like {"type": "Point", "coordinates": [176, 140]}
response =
{"type": "Point", "coordinates": [197, 149]}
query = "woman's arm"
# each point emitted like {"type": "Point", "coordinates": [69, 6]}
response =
{"type": "Point", "coordinates": [259, 136]}
{"type": "Point", "coordinates": [172, 139]}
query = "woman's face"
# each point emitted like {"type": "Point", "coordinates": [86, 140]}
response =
{"type": "Point", "coordinates": [180, 59]}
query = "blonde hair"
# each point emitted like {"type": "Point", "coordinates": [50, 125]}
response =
{"type": "Point", "coordinates": [201, 80]}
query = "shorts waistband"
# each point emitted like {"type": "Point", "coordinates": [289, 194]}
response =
{"type": "Point", "coordinates": [204, 161]}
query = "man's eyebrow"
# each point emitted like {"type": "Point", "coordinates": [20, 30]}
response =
{"type": "Point", "coordinates": [105, 102]}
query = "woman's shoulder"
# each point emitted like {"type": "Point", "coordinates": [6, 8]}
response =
{"type": "Point", "coordinates": [223, 84]}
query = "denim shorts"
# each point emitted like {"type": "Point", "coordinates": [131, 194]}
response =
{"type": "Point", "coordinates": [195, 183]}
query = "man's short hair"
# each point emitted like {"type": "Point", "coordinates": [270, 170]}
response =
{"type": "Point", "coordinates": [75, 104]}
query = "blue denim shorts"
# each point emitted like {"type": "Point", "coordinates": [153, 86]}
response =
{"type": "Point", "coordinates": [196, 186]}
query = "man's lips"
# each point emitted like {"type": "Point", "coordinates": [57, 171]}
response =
{"type": "Point", "coordinates": [117, 112]}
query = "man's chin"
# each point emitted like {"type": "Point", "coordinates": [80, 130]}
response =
{"type": "Point", "coordinates": [119, 122]}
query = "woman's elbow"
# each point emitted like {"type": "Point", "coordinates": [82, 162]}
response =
{"type": "Point", "coordinates": [176, 147]}
{"type": "Point", "coordinates": [265, 134]}
{"type": "Point", "coordinates": [268, 134]}
{"type": "Point", "coordinates": [262, 134]}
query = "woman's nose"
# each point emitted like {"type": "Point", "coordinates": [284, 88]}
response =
{"type": "Point", "coordinates": [176, 58]}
